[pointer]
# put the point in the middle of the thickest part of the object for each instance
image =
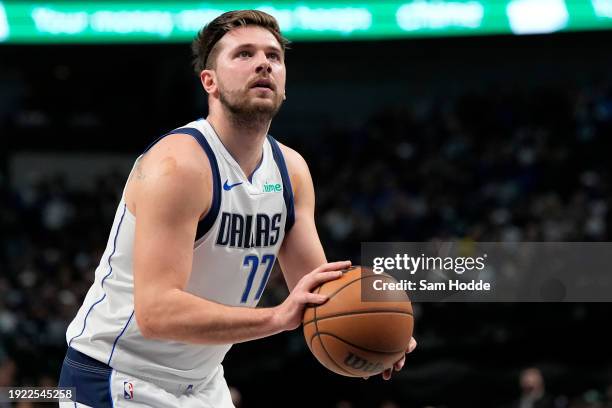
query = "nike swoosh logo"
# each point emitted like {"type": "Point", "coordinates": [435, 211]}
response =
{"type": "Point", "coordinates": [228, 187]}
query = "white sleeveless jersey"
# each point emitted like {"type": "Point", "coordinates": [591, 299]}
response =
{"type": "Point", "coordinates": [235, 249]}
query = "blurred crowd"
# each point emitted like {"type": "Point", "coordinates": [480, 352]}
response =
{"type": "Point", "coordinates": [486, 165]}
{"type": "Point", "coordinates": [492, 165]}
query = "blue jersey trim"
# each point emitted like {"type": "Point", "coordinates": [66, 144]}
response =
{"type": "Point", "coordinates": [287, 189]}
{"type": "Point", "coordinates": [117, 339]}
{"type": "Point", "coordinates": [207, 222]}
{"type": "Point", "coordinates": [256, 168]}
{"type": "Point", "coordinates": [110, 257]}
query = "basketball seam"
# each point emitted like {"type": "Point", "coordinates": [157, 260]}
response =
{"type": "Point", "coordinates": [321, 340]}
{"type": "Point", "coordinates": [395, 311]}
{"type": "Point", "coordinates": [334, 360]}
{"type": "Point", "coordinates": [359, 347]}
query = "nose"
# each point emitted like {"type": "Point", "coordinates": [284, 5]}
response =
{"type": "Point", "coordinates": [263, 64]}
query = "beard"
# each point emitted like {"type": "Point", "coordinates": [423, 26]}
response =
{"type": "Point", "coordinates": [247, 110]}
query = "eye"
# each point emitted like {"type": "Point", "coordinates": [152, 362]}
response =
{"type": "Point", "coordinates": [274, 56]}
{"type": "Point", "coordinates": [244, 54]}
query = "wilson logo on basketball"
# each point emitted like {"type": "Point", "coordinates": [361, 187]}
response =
{"type": "Point", "coordinates": [360, 363]}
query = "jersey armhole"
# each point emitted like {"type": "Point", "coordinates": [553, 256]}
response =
{"type": "Point", "coordinates": [206, 223]}
{"type": "Point", "coordinates": [287, 189]}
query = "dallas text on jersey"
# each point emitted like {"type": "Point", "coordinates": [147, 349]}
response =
{"type": "Point", "coordinates": [248, 231]}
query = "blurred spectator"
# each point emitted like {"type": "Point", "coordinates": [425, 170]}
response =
{"type": "Point", "coordinates": [608, 397]}
{"type": "Point", "coordinates": [236, 396]}
{"type": "Point", "coordinates": [533, 391]}
{"type": "Point", "coordinates": [7, 372]}
{"type": "Point", "coordinates": [389, 404]}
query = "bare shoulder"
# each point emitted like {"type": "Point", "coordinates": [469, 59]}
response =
{"type": "Point", "coordinates": [176, 153]}
{"type": "Point", "coordinates": [177, 170]}
{"type": "Point", "coordinates": [292, 157]}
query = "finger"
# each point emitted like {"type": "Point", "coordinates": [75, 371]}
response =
{"type": "Point", "coordinates": [333, 266]}
{"type": "Point", "coordinates": [412, 345]}
{"type": "Point", "coordinates": [387, 374]}
{"type": "Point", "coordinates": [322, 277]}
{"type": "Point", "coordinates": [314, 298]}
{"type": "Point", "coordinates": [400, 364]}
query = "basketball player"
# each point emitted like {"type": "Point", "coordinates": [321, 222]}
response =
{"type": "Point", "coordinates": [206, 212]}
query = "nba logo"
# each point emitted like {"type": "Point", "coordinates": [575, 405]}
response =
{"type": "Point", "coordinates": [189, 389]}
{"type": "Point", "coordinates": [128, 390]}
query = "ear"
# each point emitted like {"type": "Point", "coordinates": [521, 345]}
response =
{"type": "Point", "coordinates": [208, 78]}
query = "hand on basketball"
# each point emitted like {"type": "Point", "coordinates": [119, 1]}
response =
{"type": "Point", "coordinates": [386, 375]}
{"type": "Point", "coordinates": [290, 312]}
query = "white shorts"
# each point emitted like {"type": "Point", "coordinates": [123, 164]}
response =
{"type": "Point", "coordinates": [100, 386]}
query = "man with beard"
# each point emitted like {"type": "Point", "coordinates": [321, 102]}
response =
{"type": "Point", "coordinates": [205, 214]}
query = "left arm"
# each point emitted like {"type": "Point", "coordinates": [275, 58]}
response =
{"type": "Point", "coordinates": [301, 251]}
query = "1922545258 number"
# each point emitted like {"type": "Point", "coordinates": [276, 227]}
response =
{"type": "Point", "coordinates": [36, 394]}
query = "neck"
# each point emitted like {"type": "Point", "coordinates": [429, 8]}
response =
{"type": "Point", "coordinates": [243, 140]}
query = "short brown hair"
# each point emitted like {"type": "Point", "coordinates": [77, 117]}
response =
{"type": "Point", "coordinates": [203, 45]}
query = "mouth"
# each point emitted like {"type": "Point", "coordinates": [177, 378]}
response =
{"type": "Point", "coordinates": [263, 84]}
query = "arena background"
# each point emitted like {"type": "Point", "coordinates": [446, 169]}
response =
{"type": "Point", "coordinates": [485, 138]}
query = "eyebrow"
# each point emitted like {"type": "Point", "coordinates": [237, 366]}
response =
{"type": "Point", "coordinates": [251, 45]}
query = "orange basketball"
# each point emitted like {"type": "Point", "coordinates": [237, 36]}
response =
{"type": "Point", "coordinates": [357, 338]}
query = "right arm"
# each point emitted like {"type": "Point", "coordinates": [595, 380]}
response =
{"type": "Point", "coordinates": [166, 195]}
